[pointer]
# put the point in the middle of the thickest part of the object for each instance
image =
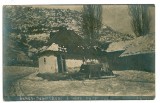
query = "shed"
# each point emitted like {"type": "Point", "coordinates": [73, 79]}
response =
{"type": "Point", "coordinates": [138, 53]}
{"type": "Point", "coordinates": [63, 51]}
{"type": "Point", "coordinates": [141, 45]}
{"type": "Point", "coordinates": [51, 59]}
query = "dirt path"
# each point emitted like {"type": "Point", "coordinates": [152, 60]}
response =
{"type": "Point", "coordinates": [11, 77]}
{"type": "Point", "coordinates": [128, 83]}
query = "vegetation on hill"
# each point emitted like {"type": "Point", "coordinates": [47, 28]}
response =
{"type": "Point", "coordinates": [107, 35]}
{"type": "Point", "coordinates": [26, 29]}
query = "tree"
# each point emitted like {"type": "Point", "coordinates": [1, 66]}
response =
{"type": "Point", "coordinates": [140, 19]}
{"type": "Point", "coordinates": [92, 20]}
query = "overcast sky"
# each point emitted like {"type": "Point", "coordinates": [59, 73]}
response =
{"type": "Point", "coordinates": [115, 16]}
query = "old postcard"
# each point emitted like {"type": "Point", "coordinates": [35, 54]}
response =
{"type": "Point", "coordinates": [78, 52]}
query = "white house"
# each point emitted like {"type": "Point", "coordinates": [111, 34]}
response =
{"type": "Point", "coordinates": [65, 51]}
{"type": "Point", "coordinates": [48, 59]}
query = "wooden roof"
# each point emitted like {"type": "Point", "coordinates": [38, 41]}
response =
{"type": "Point", "coordinates": [66, 38]}
{"type": "Point", "coordinates": [118, 46]}
{"type": "Point", "coordinates": [141, 45]}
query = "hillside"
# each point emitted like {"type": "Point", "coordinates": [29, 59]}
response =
{"type": "Point", "coordinates": [26, 28]}
{"type": "Point", "coordinates": [30, 20]}
{"type": "Point", "coordinates": [109, 35]}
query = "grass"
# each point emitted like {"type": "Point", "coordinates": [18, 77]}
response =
{"type": "Point", "coordinates": [13, 73]}
{"type": "Point", "coordinates": [74, 75]}
{"type": "Point", "coordinates": [62, 76]}
{"type": "Point", "coordinates": [127, 83]}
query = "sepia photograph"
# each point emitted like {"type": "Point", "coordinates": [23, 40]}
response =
{"type": "Point", "coordinates": [78, 52]}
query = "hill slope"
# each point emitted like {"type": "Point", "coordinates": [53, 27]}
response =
{"type": "Point", "coordinates": [29, 27]}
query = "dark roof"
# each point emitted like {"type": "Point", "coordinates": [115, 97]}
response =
{"type": "Point", "coordinates": [73, 43]}
{"type": "Point", "coordinates": [66, 37]}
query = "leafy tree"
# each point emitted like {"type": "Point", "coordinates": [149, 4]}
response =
{"type": "Point", "coordinates": [92, 20]}
{"type": "Point", "coordinates": [140, 19]}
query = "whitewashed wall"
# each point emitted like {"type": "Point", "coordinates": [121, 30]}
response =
{"type": "Point", "coordinates": [71, 63]}
{"type": "Point", "coordinates": [50, 66]}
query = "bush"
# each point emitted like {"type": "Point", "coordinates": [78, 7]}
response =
{"type": "Point", "coordinates": [62, 76]}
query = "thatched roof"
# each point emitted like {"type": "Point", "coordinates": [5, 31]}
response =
{"type": "Point", "coordinates": [66, 38]}
{"type": "Point", "coordinates": [141, 45]}
{"type": "Point", "coordinates": [53, 47]}
{"type": "Point", "coordinates": [118, 46]}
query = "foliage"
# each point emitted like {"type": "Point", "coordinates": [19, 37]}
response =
{"type": "Point", "coordinates": [107, 35]}
{"type": "Point", "coordinates": [140, 19]}
{"type": "Point", "coordinates": [30, 20]}
{"type": "Point", "coordinates": [21, 24]}
{"type": "Point", "coordinates": [92, 21]}
{"type": "Point", "coordinates": [26, 29]}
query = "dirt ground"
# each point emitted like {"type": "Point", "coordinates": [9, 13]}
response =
{"type": "Point", "coordinates": [126, 83]}
{"type": "Point", "coordinates": [11, 74]}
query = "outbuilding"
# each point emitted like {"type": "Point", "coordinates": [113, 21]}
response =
{"type": "Point", "coordinates": [51, 59]}
{"type": "Point", "coordinates": [136, 54]}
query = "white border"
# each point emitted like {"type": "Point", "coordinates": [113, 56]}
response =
{"type": "Point", "coordinates": [157, 6]}
{"type": "Point", "coordinates": [24, 2]}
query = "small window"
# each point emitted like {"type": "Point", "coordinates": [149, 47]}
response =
{"type": "Point", "coordinates": [44, 60]}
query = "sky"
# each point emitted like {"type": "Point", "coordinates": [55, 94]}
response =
{"type": "Point", "coordinates": [115, 16]}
